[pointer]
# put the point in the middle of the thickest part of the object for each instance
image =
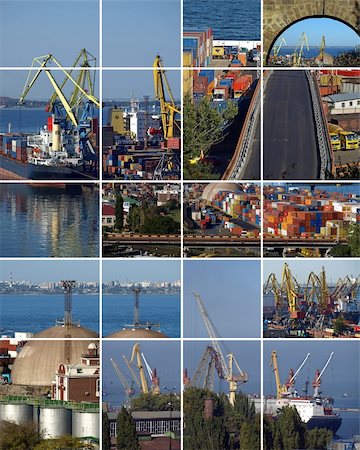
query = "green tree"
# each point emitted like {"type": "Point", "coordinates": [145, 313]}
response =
{"type": "Point", "coordinates": [318, 438]}
{"type": "Point", "coordinates": [106, 442]}
{"type": "Point", "coordinates": [160, 225]}
{"type": "Point", "coordinates": [354, 239]}
{"type": "Point", "coordinates": [250, 435]}
{"type": "Point", "coordinates": [19, 437]}
{"type": "Point", "coordinates": [64, 443]}
{"type": "Point", "coordinates": [150, 402]}
{"type": "Point", "coordinates": [119, 212]}
{"type": "Point", "coordinates": [201, 433]}
{"type": "Point", "coordinates": [126, 437]}
{"type": "Point", "coordinates": [339, 325]}
{"type": "Point", "coordinates": [292, 429]}
{"type": "Point", "coordinates": [133, 219]}
{"type": "Point", "coordinates": [203, 127]}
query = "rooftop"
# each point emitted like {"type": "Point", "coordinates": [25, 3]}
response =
{"type": "Point", "coordinates": [342, 97]}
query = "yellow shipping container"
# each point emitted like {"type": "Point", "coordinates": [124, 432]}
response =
{"type": "Point", "coordinates": [218, 51]}
{"type": "Point", "coordinates": [187, 59]}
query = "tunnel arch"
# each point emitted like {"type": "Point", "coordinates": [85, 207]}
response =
{"type": "Point", "coordinates": [279, 15]}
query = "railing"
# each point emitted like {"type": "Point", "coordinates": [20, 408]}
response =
{"type": "Point", "coordinates": [323, 139]}
{"type": "Point", "coordinates": [47, 403]}
{"type": "Point", "coordinates": [238, 161]}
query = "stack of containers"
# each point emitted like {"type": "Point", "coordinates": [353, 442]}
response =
{"type": "Point", "coordinates": [211, 81]}
{"type": "Point", "coordinates": [241, 85]}
{"type": "Point", "coordinates": [199, 44]}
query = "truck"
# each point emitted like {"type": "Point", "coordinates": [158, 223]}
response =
{"type": "Point", "coordinates": [348, 140]}
{"type": "Point", "coordinates": [335, 141]}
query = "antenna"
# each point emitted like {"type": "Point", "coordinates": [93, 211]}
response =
{"type": "Point", "coordinates": [68, 286]}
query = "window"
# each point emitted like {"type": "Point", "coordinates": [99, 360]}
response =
{"type": "Point", "coordinates": [358, 102]}
{"type": "Point", "coordinates": [350, 103]}
{"type": "Point", "coordinates": [343, 104]}
{"type": "Point", "coordinates": [112, 428]}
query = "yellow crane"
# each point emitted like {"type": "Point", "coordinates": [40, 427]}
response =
{"type": "Point", "coordinates": [298, 53]}
{"type": "Point", "coordinates": [291, 287]}
{"type": "Point", "coordinates": [167, 107]}
{"type": "Point", "coordinates": [316, 291]}
{"type": "Point", "coordinates": [136, 353]}
{"type": "Point", "coordinates": [322, 48]}
{"type": "Point", "coordinates": [42, 63]}
{"type": "Point", "coordinates": [272, 285]}
{"type": "Point", "coordinates": [277, 48]}
{"type": "Point", "coordinates": [287, 389]}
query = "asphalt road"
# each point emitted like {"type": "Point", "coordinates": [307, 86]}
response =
{"type": "Point", "coordinates": [251, 170]}
{"type": "Point", "coordinates": [290, 145]}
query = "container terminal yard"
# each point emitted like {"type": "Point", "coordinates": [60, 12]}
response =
{"type": "Point", "coordinates": [311, 124]}
{"type": "Point", "coordinates": [140, 386]}
{"type": "Point", "coordinates": [67, 145]}
{"type": "Point", "coordinates": [53, 383]}
{"type": "Point", "coordinates": [141, 219]}
{"type": "Point", "coordinates": [314, 308]}
{"type": "Point", "coordinates": [311, 220]}
{"type": "Point", "coordinates": [221, 219]}
{"type": "Point", "coordinates": [139, 144]}
{"type": "Point", "coordinates": [226, 143]}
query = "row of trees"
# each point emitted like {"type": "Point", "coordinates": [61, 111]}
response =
{"type": "Point", "coordinates": [353, 246]}
{"type": "Point", "coordinates": [238, 426]}
{"type": "Point", "coordinates": [148, 218]}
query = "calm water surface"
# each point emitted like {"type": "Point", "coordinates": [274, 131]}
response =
{"type": "Point", "coordinates": [235, 20]}
{"type": "Point", "coordinates": [17, 312]}
{"type": "Point", "coordinates": [164, 309]}
{"type": "Point", "coordinates": [48, 221]}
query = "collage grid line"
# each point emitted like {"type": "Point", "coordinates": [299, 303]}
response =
{"type": "Point", "coordinates": [101, 259]}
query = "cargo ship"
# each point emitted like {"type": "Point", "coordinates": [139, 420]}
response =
{"type": "Point", "coordinates": [51, 154]}
{"type": "Point", "coordinates": [314, 412]}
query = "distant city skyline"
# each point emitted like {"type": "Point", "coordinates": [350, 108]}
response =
{"type": "Point", "coordinates": [50, 270]}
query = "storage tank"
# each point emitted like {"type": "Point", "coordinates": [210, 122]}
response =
{"type": "Point", "coordinates": [85, 424]}
{"type": "Point", "coordinates": [16, 412]}
{"type": "Point", "coordinates": [54, 422]}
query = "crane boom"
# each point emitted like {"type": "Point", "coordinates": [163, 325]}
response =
{"type": "Point", "coordinates": [212, 334]}
{"type": "Point", "coordinates": [168, 108]}
{"type": "Point", "coordinates": [136, 352]}
{"type": "Point", "coordinates": [120, 375]}
{"type": "Point", "coordinates": [148, 368]}
{"type": "Point", "coordinates": [301, 366]}
{"type": "Point", "coordinates": [324, 368]}
{"type": "Point", "coordinates": [133, 374]}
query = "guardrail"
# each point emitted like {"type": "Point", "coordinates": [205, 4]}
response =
{"type": "Point", "coordinates": [237, 163]}
{"type": "Point", "coordinates": [324, 144]}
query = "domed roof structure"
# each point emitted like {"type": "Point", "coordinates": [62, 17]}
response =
{"type": "Point", "coordinates": [62, 332]}
{"type": "Point", "coordinates": [38, 361]}
{"type": "Point", "coordinates": [213, 188]}
{"type": "Point", "coordinates": [136, 333]}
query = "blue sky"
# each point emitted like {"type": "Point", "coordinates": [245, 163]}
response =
{"type": "Point", "coordinates": [336, 33]}
{"type": "Point", "coordinates": [134, 270]}
{"type": "Point", "coordinates": [31, 28]}
{"type": "Point", "coordinates": [247, 354]}
{"type": "Point", "coordinates": [116, 84]}
{"type": "Point", "coordinates": [300, 269]}
{"type": "Point", "coordinates": [119, 84]}
{"type": "Point", "coordinates": [164, 356]}
{"type": "Point", "coordinates": [49, 270]}
{"type": "Point", "coordinates": [134, 31]}
{"type": "Point", "coordinates": [228, 290]}
{"type": "Point", "coordinates": [342, 374]}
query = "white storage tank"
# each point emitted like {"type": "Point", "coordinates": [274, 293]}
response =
{"type": "Point", "coordinates": [16, 412]}
{"type": "Point", "coordinates": [55, 421]}
{"type": "Point", "coordinates": [85, 424]}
